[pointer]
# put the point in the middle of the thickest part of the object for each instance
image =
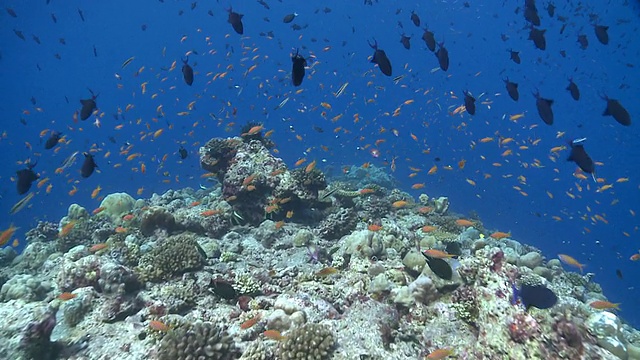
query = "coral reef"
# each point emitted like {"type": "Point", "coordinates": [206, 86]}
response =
{"type": "Point", "coordinates": [199, 340]}
{"type": "Point", "coordinates": [174, 256]}
{"type": "Point", "coordinates": [310, 342]}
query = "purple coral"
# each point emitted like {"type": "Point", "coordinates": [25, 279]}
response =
{"type": "Point", "coordinates": [497, 260]}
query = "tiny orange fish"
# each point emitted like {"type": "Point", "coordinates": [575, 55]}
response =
{"type": "Point", "coordinates": [289, 214]}
{"type": "Point", "coordinates": [128, 217]}
{"type": "Point", "coordinates": [366, 191]}
{"type": "Point", "coordinates": [300, 162]}
{"type": "Point", "coordinates": [374, 227]}
{"type": "Point", "coordinates": [429, 228]}
{"type": "Point", "coordinates": [399, 204]}
{"type": "Point", "coordinates": [464, 222]}
{"type": "Point", "coordinates": [279, 224]}
{"type": "Point", "coordinates": [121, 230]}
{"type": "Point", "coordinates": [158, 326]}
{"type": "Point", "coordinates": [248, 180]}
{"type": "Point", "coordinates": [499, 235]}
{"type": "Point", "coordinates": [433, 170]}
{"type": "Point", "coordinates": [635, 257]}
{"type": "Point", "coordinates": [425, 209]}
{"type": "Point", "coordinates": [66, 296]}
{"type": "Point", "coordinates": [274, 335]}
{"type": "Point", "coordinates": [97, 247]}
{"type": "Point", "coordinates": [570, 261]}
{"type": "Point", "coordinates": [440, 354]}
{"type": "Point", "coordinates": [438, 254]}
{"type": "Point", "coordinates": [210, 212]}
{"type": "Point", "coordinates": [310, 167]}
{"type": "Point", "coordinates": [254, 130]}
{"type": "Point", "coordinates": [195, 203]}
{"type": "Point", "coordinates": [604, 305]}
{"type": "Point", "coordinates": [98, 210]}
{"type": "Point", "coordinates": [327, 271]}
{"type": "Point", "coordinates": [6, 235]}
{"type": "Point", "coordinates": [67, 229]}
{"type": "Point", "coordinates": [249, 323]}
{"type": "Point", "coordinates": [417, 186]}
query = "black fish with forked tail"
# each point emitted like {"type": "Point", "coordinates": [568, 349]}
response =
{"type": "Point", "coordinates": [187, 72]}
{"type": "Point", "coordinates": [88, 106]}
{"type": "Point", "coordinates": [88, 166]}
{"type": "Point", "coordinates": [579, 156]}
{"type": "Point", "coordinates": [26, 177]}
{"type": "Point", "coordinates": [380, 58]}
{"type": "Point", "coordinates": [297, 70]}
{"type": "Point", "coordinates": [235, 20]}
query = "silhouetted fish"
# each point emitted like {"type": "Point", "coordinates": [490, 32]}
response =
{"type": "Point", "coordinates": [579, 156]}
{"type": "Point", "coordinates": [443, 57]}
{"type": "Point", "coordinates": [531, 12]}
{"type": "Point", "coordinates": [88, 106]}
{"type": "Point", "coordinates": [515, 56]}
{"type": "Point", "coordinates": [537, 296]}
{"type": "Point", "coordinates": [601, 34]}
{"type": "Point", "coordinates": [538, 38]}
{"type": "Point", "coordinates": [512, 90]}
{"type": "Point", "coordinates": [583, 41]}
{"type": "Point", "coordinates": [544, 108]}
{"type": "Point", "coordinates": [469, 102]}
{"type": "Point", "coordinates": [235, 20]}
{"type": "Point", "coordinates": [429, 39]}
{"type": "Point", "coordinates": [289, 18]}
{"type": "Point", "coordinates": [415, 19]}
{"type": "Point", "coordinates": [615, 109]}
{"type": "Point", "coordinates": [405, 41]}
{"type": "Point", "coordinates": [187, 72]}
{"type": "Point", "coordinates": [52, 140]}
{"type": "Point", "coordinates": [573, 90]}
{"type": "Point", "coordinates": [183, 153]}
{"type": "Point", "coordinates": [25, 178]}
{"type": "Point", "coordinates": [88, 166]}
{"type": "Point", "coordinates": [551, 9]}
{"type": "Point", "coordinates": [380, 58]}
{"type": "Point", "coordinates": [297, 69]}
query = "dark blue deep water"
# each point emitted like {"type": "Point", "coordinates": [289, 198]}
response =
{"type": "Point", "coordinates": [530, 191]}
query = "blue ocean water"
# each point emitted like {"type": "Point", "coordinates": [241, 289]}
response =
{"type": "Point", "coordinates": [517, 185]}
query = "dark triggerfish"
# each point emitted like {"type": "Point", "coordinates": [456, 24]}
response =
{"type": "Point", "coordinates": [615, 109]}
{"type": "Point", "coordinates": [415, 19]}
{"type": "Point", "coordinates": [544, 108]}
{"type": "Point", "coordinates": [187, 72]}
{"type": "Point", "coordinates": [538, 38]}
{"type": "Point", "coordinates": [297, 70]}
{"type": "Point", "coordinates": [53, 140]}
{"type": "Point", "coordinates": [405, 41]}
{"type": "Point", "coordinates": [579, 156]}
{"type": "Point", "coordinates": [512, 89]}
{"type": "Point", "coordinates": [429, 39]}
{"type": "Point", "coordinates": [88, 166]}
{"type": "Point", "coordinates": [25, 178]}
{"type": "Point", "coordinates": [380, 58]}
{"type": "Point", "coordinates": [443, 57]}
{"type": "Point", "coordinates": [601, 33]}
{"type": "Point", "coordinates": [515, 56]}
{"type": "Point", "coordinates": [235, 20]}
{"type": "Point", "coordinates": [573, 90]}
{"type": "Point", "coordinates": [469, 102]}
{"type": "Point", "coordinates": [88, 106]}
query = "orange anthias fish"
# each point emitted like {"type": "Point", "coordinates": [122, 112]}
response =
{"type": "Point", "coordinates": [604, 305]}
{"type": "Point", "coordinates": [158, 326]}
{"type": "Point", "coordinates": [635, 257]}
{"type": "Point", "coordinates": [464, 222]}
{"type": "Point", "coordinates": [274, 335]}
{"type": "Point", "coordinates": [399, 204]}
{"type": "Point", "coordinates": [66, 296]}
{"type": "Point", "coordinates": [67, 229]}
{"type": "Point", "coordinates": [6, 235]}
{"type": "Point", "coordinates": [97, 247]}
{"type": "Point", "coordinates": [249, 323]}
{"type": "Point", "coordinates": [498, 235]}
{"type": "Point", "coordinates": [438, 254]}
{"type": "Point", "coordinates": [440, 354]}
{"type": "Point", "coordinates": [374, 227]}
{"type": "Point", "coordinates": [327, 271]}
{"type": "Point", "coordinates": [429, 228]}
{"type": "Point", "coordinates": [571, 261]}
